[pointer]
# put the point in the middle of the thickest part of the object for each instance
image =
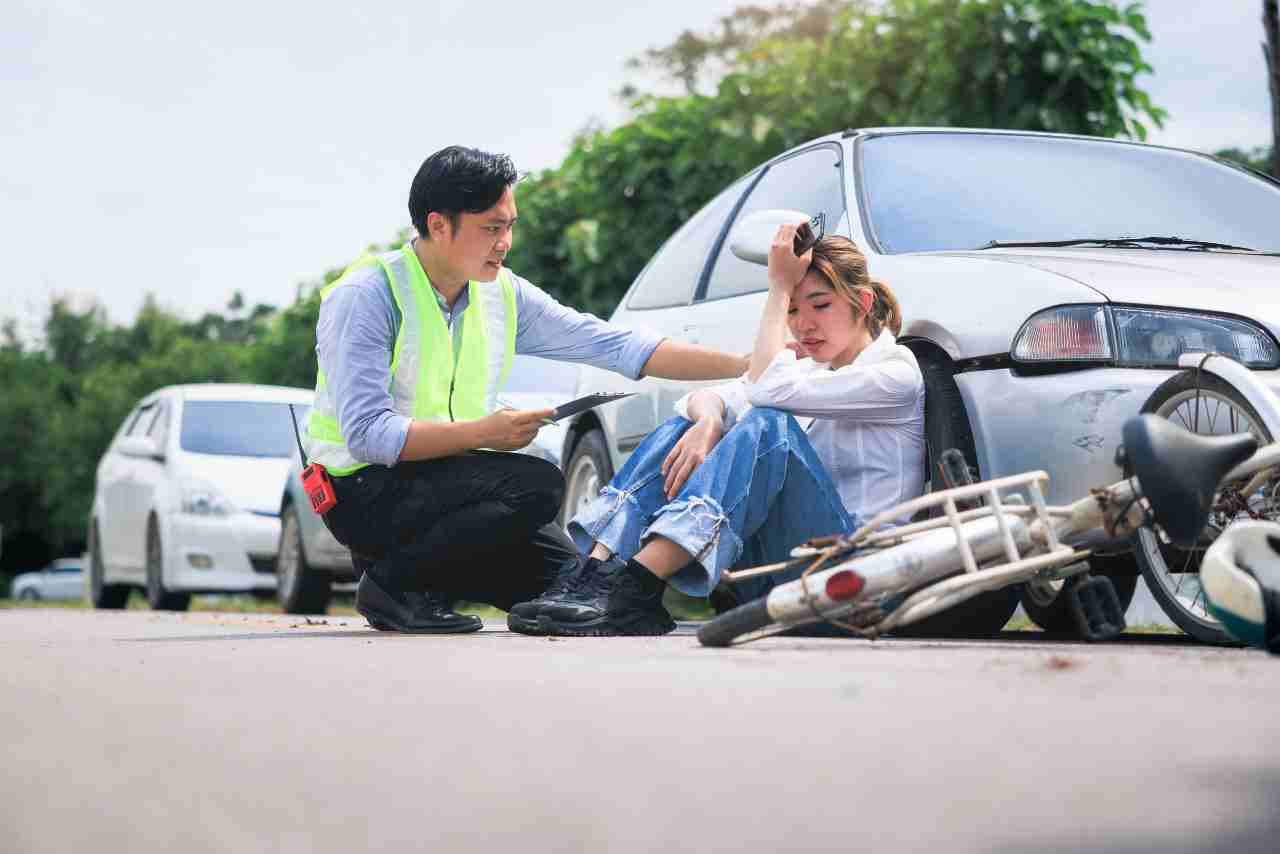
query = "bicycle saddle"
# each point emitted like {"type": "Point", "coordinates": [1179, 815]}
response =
{"type": "Point", "coordinates": [1179, 471]}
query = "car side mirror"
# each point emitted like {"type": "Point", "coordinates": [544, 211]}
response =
{"type": "Point", "coordinates": [141, 446]}
{"type": "Point", "coordinates": [752, 235]}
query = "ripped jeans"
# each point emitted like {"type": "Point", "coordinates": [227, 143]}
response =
{"type": "Point", "coordinates": [760, 492]}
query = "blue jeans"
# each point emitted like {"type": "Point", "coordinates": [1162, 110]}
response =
{"type": "Point", "coordinates": [760, 492]}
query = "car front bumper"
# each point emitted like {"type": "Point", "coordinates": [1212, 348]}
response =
{"type": "Point", "coordinates": [231, 553]}
{"type": "Point", "coordinates": [1068, 424]}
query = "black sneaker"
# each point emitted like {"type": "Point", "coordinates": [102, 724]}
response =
{"type": "Point", "coordinates": [523, 616]}
{"type": "Point", "coordinates": [619, 598]}
{"type": "Point", "coordinates": [410, 612]}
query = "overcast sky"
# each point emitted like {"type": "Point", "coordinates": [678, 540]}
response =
{"type": "Point", "coordinates": [191, 150]}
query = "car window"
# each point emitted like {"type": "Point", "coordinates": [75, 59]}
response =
{"type": "Point", "coordinates": [948, 191]}
{"type": "Point", "coordinates": [159, 428]}
{"type": "Point", "coordinates": [810, 181]}
{"type": "Point", "coordinates": [142, 424]}
{"type": "Point", "coordinates": [237, 428]}
{"type": "Point", "coordinates": [65, 570]}
{"type": "Point", "coordinates": [670, 278]}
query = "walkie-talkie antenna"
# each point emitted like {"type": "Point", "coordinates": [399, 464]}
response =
{"type": "Point", "coordinates": [296, 435]}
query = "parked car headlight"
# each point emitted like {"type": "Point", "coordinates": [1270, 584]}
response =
{"type": "Point", "coordinates": [1139, 337]}
{"type": "Point", "coordinates": [205, 500]}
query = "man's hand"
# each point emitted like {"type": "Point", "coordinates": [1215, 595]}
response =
{"type": "Point", "coordinates": [512, 429]}
{"type": "Point", "coordinates": [689, 453]}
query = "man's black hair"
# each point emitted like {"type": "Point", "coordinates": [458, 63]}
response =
{"type": "Point", "coordinates": [456, 180]}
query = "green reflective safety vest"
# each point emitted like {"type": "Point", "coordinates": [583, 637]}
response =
{"type": "Point", "coordinates": [428, 381]}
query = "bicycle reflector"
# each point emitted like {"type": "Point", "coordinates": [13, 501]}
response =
{"type": "Point", "coordinates": [844, 585]}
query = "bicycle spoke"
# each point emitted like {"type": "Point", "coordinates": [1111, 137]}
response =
{"type": "Point", "coordinates": [1182, 418]}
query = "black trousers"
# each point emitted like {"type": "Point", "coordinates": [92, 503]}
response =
{"type": "Point", "coordinates": [479, 526]}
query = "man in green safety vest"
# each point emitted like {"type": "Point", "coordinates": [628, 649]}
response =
{"type": "Point", "coordinates": [409, 448]}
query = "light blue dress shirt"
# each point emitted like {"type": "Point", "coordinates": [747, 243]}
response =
{"type": "Point", "coordinates": [357, 331]}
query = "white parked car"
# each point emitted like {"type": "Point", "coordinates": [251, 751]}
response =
{"type": "Point", "coordinates": [1048, 284]}
{"type": "Point", "coordinates": [187, 496]}
{"type": "Point", "coordinates": [62, 579]}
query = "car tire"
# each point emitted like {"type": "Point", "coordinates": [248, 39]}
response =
{"type": "Point", "coordinates": [299, 588]}
{"type": "Point", "coordinates": [588, 470]}
{"type": "Point", "coordinates": [158, 596]}
{"type": "Point", "coordinates": [1155, 557]}
{"type": "Point", "coordinates": [1048, 608]}
{"type": "Point", "coordinates": [946, 425]}
{"type": "Point", "coordinates": [28, 594]}
{"type": "Point", "coordinates": [102, 595]}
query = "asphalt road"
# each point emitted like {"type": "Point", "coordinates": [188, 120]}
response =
{"type": "Point", "coordinates": [136, 731]}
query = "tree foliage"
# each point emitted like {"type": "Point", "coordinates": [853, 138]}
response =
{"type": "Point", "coordinates": [799, 71]}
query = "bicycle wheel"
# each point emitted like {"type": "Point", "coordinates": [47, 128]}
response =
{"type": "Point", "coordinates": [1207, 405]}
{"type": "Point", "coordinates": [735, 623]}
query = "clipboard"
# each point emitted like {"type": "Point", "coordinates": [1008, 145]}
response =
{"type": "Point", "coordinates": [590, 401]}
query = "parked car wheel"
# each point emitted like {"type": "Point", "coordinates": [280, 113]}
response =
{"type": "Point", "coordinates": [158, 597]}
{"type": "Point", "coordinates": [946, 425]}
{"type": "Point", "coordinates": [300, 589]}
{"type": "Point", "coordinates": [101, 594]}
{"type": "Point", "coordinates": [1047, 607]}
{"type": "Point", "coordinates": [1204, 404]}
{"type": "Point", "coordinates": [28, 595]}
{"type": "Point", "coordinates": [588, 470]}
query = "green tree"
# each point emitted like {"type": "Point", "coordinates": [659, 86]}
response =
{"type": "Point", "coordinates": [1259, 158]}
{"type": "Point", "coordinates": [589, 225]}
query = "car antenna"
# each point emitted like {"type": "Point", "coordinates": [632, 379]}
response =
{"type": "Point", "coordinates": [297, 436]}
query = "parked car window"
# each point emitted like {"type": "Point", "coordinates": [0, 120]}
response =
{"type": "Point", "coordinates": [809, 181]}
{"type": "Point", "coordinates": [65, 569]}
{"type": "Point", "coordinates": [238, 428]}
{"type": "Point", "coordinates": [669, 279]}
{"type": "Point", "coordinates": [159, 428]}
{"type": "Point", "coordinates": [938, 191]}
{"type": "Point", "coordinates": [142, 424]}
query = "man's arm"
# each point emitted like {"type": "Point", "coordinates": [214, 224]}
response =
{"type": "Point", "coordinates": [504, 430]}
{"type": "Point", "coordinates": [676, 360]}
{"type": "Point", "coordinates": [553, 331]}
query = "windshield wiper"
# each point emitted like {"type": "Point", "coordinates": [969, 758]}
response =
{"type": "Point", "coordinates": [1123, 243]}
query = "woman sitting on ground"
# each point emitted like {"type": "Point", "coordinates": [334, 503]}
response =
{"type": "Point", "coordinates": [734, 480]}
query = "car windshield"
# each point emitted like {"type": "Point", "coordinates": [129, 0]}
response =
{"type": "Point", "coordinates": [239, 428]}
{"type": "Point", "coordinates": [949, 191]}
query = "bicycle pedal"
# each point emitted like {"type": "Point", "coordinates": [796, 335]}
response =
{"type": "Point", "coordinates": [1096, 608]}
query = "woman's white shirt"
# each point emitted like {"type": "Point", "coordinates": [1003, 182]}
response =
{"type": "Point", "coordinates": [868, 419]}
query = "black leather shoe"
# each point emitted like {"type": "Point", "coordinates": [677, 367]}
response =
{"type": "Point", "coordinates": [410, 612]}
{"type": "Point", "coordinates": [523, 617]}
{"type": "Point", "coordinates": [619, 598]}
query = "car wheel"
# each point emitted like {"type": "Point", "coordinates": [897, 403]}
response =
{"type": "Point", "coordinates": [28, 595]}
{"type": "Point", "coordinates": [946, 425]}
{"type": "Point", "coordinates": [301, 589]}
{"type": "Point", "coordinates": [101, 594]}
{"type": "Point", "coordinates": [158, 597]}
{"type": "Point", "coordinates": [1209, 406]}
{"type": "Point", "coordinates": [589, 469]}
{"type": "Point", "coordinates": [1048, 608]}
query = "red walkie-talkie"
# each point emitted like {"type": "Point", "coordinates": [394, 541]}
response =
{"type": "Point", "coordinates": [315, 479]}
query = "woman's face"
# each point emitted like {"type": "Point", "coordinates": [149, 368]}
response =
{"type": "Point", "coordinates": [823, 322]}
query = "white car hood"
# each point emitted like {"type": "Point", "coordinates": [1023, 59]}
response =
{"type": "Point", "coordinates": [255, 484]}
{"type": "Point", "coordinates": [1232, 282]}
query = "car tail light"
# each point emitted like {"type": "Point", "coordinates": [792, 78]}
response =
{"type": "Point", "coordinates": [1071, 333]}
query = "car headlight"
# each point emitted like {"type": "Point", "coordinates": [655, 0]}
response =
{"type": "Point", "coordinates": [1139, 337]}
{"type": "Point", "coordinates": [205, 500]}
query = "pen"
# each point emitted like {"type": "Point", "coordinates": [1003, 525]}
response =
{"type": "Point", "coordinates": [503, 405]}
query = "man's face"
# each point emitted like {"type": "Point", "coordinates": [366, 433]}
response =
{"type": "Point", "coordinates": [481, 242]}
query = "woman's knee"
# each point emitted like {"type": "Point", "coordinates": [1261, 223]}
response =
{"type": "Point", "coordinates": [764, 420]}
